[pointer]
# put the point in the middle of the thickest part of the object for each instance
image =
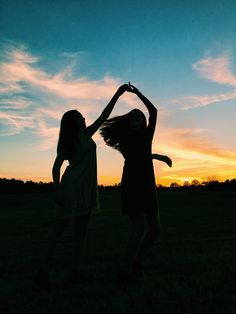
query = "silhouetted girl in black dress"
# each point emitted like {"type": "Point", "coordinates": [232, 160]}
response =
{"type": "Point", "coordinates": [132, 137]}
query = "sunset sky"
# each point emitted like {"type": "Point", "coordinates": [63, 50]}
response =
{"type": "Point", "coordinates": [59, 55]}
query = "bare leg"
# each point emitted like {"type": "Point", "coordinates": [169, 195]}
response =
{"type": "Point", "coordinates": [150, 236]}
{"type": "Point", "coordinates": [140, 241]}
{"type": "Point", "coordinates": [54, 235]}
{"type": "Point", "coordinates": [42, 279]}
{"type": "Point", "coordinates": [80, 230]}
{"type": "Point", "coordinates": [138, 226]}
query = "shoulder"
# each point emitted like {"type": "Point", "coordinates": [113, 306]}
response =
{"type": "Point", "coordinates": [86, 133]}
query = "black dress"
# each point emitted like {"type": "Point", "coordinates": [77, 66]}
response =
{"type": "Point", "coordinates": [138, 188]}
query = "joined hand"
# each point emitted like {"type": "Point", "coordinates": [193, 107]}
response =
{"type": "Point", "coordinates": [127, 88]}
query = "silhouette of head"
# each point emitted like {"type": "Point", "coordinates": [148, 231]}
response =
{"type": "Point", "coordinates": [137, 120]}
{"type": "Point", "coordinates": [74, 120]}
{"type": "Point", "coordinates": [72, 123]}
{"type": "Point", "coordinates": [117, 130]}
{"type": "Point", "coordinates": [80, 121]}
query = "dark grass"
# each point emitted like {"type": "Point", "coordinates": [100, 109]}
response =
{"type": "Point", "coordinates": [192, 269]}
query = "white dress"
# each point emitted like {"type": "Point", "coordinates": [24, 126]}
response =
{"type": "Point", "coordinates": [78, 193]}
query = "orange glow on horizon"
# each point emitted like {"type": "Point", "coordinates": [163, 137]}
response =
{"type": "Point", "coordinates": [163, 180]}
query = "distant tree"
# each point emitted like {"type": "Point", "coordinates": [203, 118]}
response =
{"type": "Point", "coordinates": [233, 183]}
{"type": "Point", "coordinates": [213, 185]}
{"type": "Point", "coordinates": [18, 186]}
{"type": "Point", "coordinates": [195, 182]}
{"type": "Point", "coordinates": [175, 185]}
{"type": "Point", "coordinates": [211, 178]}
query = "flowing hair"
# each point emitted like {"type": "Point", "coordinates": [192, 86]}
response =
{"type": "Point", "coordinates": [116, 130]}
{"type": "Point", "coordinates": [68, 133]}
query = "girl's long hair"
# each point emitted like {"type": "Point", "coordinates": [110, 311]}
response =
{"type": "Point", "coordinates": [68, 133]}
{"type": "Point", "coordinates": [116, 130]}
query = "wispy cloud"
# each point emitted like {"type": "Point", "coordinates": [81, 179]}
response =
{"type": "Point", "coordinates": [14, 103]}
{"type": "Point", "coordinates": [30, 96]}
{"type": "Point", "coordinates": [22, 67]}
{"type": "Point", "coordinates": [191, 102]}
{"type": "Point", "coordinates": [217, 70]}
{"type": "Point", "coordinates": [15, 123]}
{"type": "Point", "coordinates": [195, 156]}
{"type": "Point", "coordinates": [195, 143]}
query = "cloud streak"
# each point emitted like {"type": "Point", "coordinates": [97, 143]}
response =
{"type": "Point", "coordinates": [216, 70]}
{"type": "Point", "coordinates": [22, 67]}
{"type": "Point", "coordinates": [191, 102]}
{"type": "Point", "coordinates": [194, 143]}
{"type": "Point", "coordinates": [30, 96]}
{"type": "Point", "coordinates": [194, 156]}
{"type": "Point", "coordinates": [14, 123]}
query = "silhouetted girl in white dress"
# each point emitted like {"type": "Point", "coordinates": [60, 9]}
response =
{"type": "Point", "coordinates": [76, 191]}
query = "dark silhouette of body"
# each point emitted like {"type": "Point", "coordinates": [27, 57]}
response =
{"type": "Point", "coordinates": [132, 137]}
{"type": "Point", "coordinates": [76, 192]}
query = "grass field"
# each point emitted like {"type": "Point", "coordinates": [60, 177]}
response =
{"type": "Point", "coordinates": [192, 269]}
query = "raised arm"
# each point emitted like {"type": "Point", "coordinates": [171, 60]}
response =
{"type": "Point", "coordinates": [150, 107]}
{"type": "Point", "coordinates": [163, 158]}
{"type": "Point", "coordinates": [56, 170]}
{"type": "Point", "coordinates": [107, 111]}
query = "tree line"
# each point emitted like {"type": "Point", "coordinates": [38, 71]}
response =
{"type": "Point", "coordinates": [12, 186]}
{"type": "Point", "coordinates": [211, 185]}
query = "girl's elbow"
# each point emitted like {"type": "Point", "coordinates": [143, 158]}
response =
{"type": "Point", "coordinates": [55, 171]}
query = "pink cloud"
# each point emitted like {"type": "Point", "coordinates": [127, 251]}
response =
{"type": "Point", "coordinates": [50, 95]}
{"type": "Point", "coordinates": [192, 144]}
{"type": "Point", "coordinates": [190, 102]}
{"type": "Point", "coordinates": [14, 103]}
{"type": "Point", "coordinates": [15, 123]}
{"type": "Point", "coordinates": [216, 70]}
{"type": "Point", "coordinates": [22, 67]}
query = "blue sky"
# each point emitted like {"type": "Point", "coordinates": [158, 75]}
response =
{"type": "Point", "coordinates": [58, 55]}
